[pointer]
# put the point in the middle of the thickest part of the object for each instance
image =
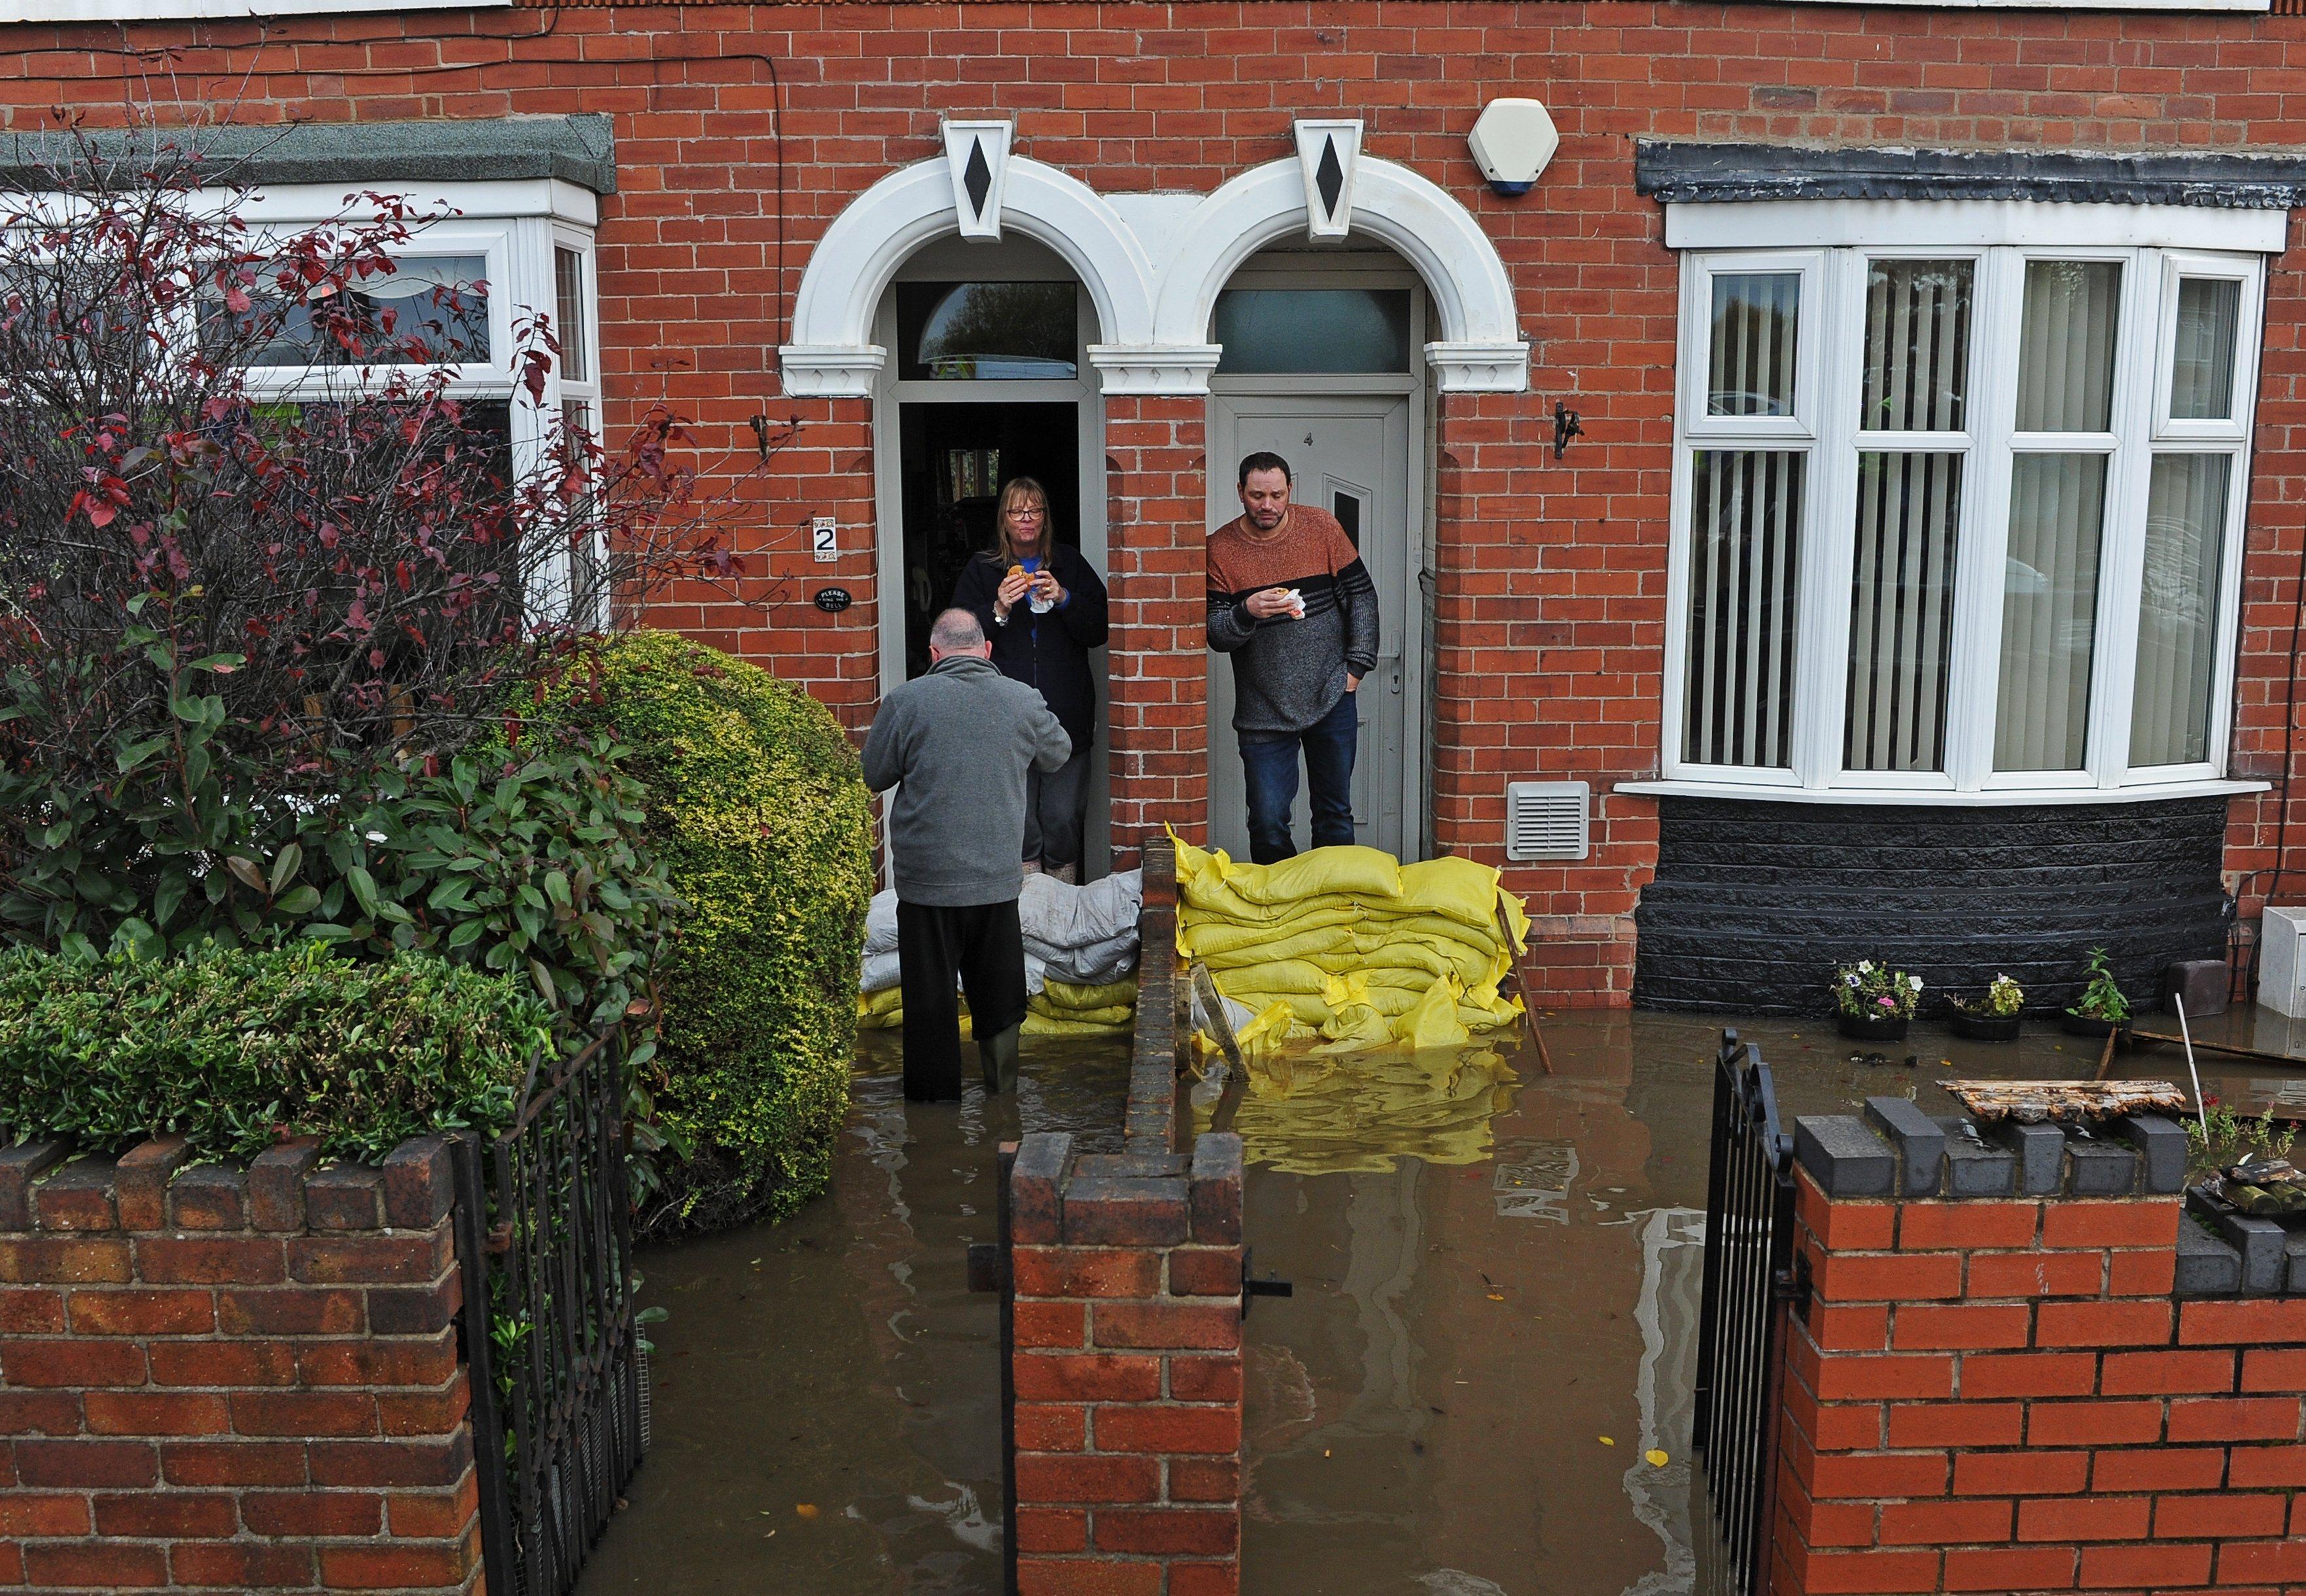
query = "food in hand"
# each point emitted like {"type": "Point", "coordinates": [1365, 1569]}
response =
{"type": "Point", "coordinates": [1296, 603]}
{"type": "Point", "coordinates": [1016, 571]}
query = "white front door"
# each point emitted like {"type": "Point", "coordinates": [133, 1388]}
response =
{"type": "Point", "coordinates": [1350, 455]}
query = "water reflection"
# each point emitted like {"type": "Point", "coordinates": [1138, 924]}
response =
{"type": "Point", "coordinates": [1308, 1111]}
{"type": "Point", "coordinates": [837, 1361]}
{"type": "Point", "coordinates": [1496, 1278]}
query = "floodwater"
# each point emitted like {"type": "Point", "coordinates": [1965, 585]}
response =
{"type": "Point", "coordinates": [1481, 1386]}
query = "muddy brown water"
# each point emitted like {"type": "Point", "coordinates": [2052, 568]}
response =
{"type": "Point", "coordinates": [1488, 1351]}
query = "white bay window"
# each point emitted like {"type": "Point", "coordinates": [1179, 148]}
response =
{"type": "Point", "coordinates": [1958, 520]}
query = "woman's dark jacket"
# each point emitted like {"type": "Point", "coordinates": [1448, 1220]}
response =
{"type": "Point", "coordinates": [1049, 651]}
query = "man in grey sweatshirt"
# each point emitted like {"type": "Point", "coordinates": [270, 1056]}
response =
{"type": "Point", "coordinates": [956, 745]}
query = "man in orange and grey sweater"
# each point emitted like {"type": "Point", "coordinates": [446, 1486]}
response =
{"type": "Point", "coordinates": [1292, 602]}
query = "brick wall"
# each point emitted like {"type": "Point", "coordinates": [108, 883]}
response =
{"type": "Point", "coordinates": [1156, 565]}
{"type": "Point", "coordinates": [222, 1378]}
{"type": "Point", "coordinates": [2021, 1390]}
{"type": "Point", "coordinates": [1127, 1358]}
{"type": "Point", "coordinates": [1550, 575]}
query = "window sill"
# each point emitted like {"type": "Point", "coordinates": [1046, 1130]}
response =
{"type": "Point", "coordinates": [1911, 799]}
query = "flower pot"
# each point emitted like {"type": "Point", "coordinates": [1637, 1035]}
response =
{"type": "Point", "coordinates": [1985, 1028]}
{"type": "Point", "coordinates": [2089, 1025]}
{"type": "Point", "coordinates": [1859, 1028]}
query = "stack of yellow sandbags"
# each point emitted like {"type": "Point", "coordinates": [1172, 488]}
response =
{"type": "Point", "coordinates": [1061, 1009]}
{"type": "Point", "coordinates": [1353, 944]}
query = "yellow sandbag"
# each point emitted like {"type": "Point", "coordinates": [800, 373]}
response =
{"type": "Point", "coordinates": [1263, 1036]}
{"type": "Point", "coordinates": [1037, 1024]}
{"type": "Point", "coordinates": [1458, 889]}
{"type": "Point", "coordinates": [1064, 995]}
{"type": "Point", "coordinates": [1112, 1016]}
{"type": "Point", "coordinates": [1434, 1022]}
{"type": "Point", "coordinates": [1427, 942]}
{"type": "Point", "coordinates": [1211, 883]}
{"type": "Point", "coordinates": [884, 1010]}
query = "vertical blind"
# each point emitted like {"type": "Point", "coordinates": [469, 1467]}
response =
{"type": "Point", "coordinates": [2066, 350]}
{"type": "Point", "coordinates": [1746, 507]}
{"type": "Point", "coordinates": [2049, 611]}
{"type": "Point", "coordinates": [1756, 331]}
{"type": "Point", "coordinates": [2177, 617]}
{"type": "Point", "coordinates": [2066, 346]}
{"type": "Point", "coordinates": [1915, 380]}
{"type": "Point", "coordinates": [1901, 611]}
{"type": "Point", "coordinates": [2201, 365]}
{"type": "Point", "coordinates": [1917, 373]}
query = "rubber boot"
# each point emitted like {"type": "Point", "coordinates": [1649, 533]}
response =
{"type": "Point", "coordinates": [998, 1054]}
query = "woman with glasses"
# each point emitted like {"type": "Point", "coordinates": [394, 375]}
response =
{"type": "Point", "coordinates": [1045, 608]}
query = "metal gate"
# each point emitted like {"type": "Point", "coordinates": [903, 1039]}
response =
{"type": "Point", "coordinates": [1751, 1288]}
{"type": "Point", "coordinates": [552, 1346]}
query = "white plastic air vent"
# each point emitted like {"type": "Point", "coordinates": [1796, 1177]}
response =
{"type": "Point", "coordinates": [1546, 820]}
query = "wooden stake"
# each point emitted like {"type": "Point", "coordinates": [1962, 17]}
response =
{"type": "Point", "coordinates": [1521, 990]}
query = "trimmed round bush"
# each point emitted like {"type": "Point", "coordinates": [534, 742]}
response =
{"type": "Point", "coordinates": [758, 813]}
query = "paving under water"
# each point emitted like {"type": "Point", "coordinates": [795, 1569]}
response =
{"type": "Point", "coordinates": [1481, 1386]}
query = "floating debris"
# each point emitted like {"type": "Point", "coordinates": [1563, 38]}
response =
{"type": "Point", "coordinates": [2031, 1102]}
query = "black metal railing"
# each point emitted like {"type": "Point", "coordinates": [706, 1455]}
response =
{"type": "Point", "coordinates": [1751, 1287]}
{"type": "Point", "coordinates": [551, 1341]}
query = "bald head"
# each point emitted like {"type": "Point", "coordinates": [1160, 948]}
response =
{"type": "Point", "coordinates": [957, 632]}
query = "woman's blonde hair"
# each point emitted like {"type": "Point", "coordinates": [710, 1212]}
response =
{"type": "Point", "coordinates": [1014, 491]}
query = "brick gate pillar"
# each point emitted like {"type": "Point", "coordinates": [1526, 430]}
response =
{"type": "Point", "coordinates": [2027, 1363]}
{"type": "Point", "coordinates": [1158, 672]}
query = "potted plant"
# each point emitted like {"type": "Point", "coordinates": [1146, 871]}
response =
{"type": "Point", "coordinates": [1993, 1017]}
{"type": "Point", "coordinates": [2102, 1008]}
{"type": "Point", "coordinates": [1874, 1002]}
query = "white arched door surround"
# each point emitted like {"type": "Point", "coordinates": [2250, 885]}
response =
{"type": "Point", "coordinates": [1481, 349]}
{"type": "Point", "coordinates": [1153, 310]}
{"type": "Point", "coordinates": [832, 350]}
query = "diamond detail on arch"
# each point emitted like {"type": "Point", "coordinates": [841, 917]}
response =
{"type": "Point", "coordinates": [978, 177]}
{"type": "Point", "coordinates": [1330, 177]}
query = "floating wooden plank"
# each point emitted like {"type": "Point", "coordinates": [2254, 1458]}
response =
{"type": "Point", "coordinates": [2031, 1102]}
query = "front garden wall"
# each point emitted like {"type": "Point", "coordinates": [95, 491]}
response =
{"type": "Point", "coordinates": [217, 1377]}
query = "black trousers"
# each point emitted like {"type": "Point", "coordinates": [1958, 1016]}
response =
{"type": "Point", "coordinates": [983, 943]}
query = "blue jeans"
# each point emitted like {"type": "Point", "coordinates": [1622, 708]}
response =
{"type": "Point", "coordinates": [1269, 769]}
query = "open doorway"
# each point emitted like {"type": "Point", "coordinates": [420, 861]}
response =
{"type": "Point", "coordinates": [1324, 365]}
{"type": "Point", "coordinates": [955, 458]}
{"type": "Point", "coordinates": [987, 378]}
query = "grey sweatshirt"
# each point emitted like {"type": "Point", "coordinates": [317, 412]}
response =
{"type": "Point", "coordinates": [959, 740]}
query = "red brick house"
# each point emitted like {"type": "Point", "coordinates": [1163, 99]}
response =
{"type": "Point", "coordinates": [1921, 576]}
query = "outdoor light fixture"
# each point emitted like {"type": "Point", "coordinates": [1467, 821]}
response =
{"type": "Point", "coordinates": [1512, 140]}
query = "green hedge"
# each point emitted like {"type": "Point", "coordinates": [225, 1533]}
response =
{"type": "Point", "coordinates": [235, 1049]}
{"type": "Point", "coordinates": [759, 817]}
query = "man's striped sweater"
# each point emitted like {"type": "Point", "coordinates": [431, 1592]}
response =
{"type": "Point", "coordinates": [1288, 673]}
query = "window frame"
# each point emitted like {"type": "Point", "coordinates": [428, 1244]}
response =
{"type": "Point", "coordinates": [515, 226]}
{"type": "Point", "coordinates": [1825, 425]}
